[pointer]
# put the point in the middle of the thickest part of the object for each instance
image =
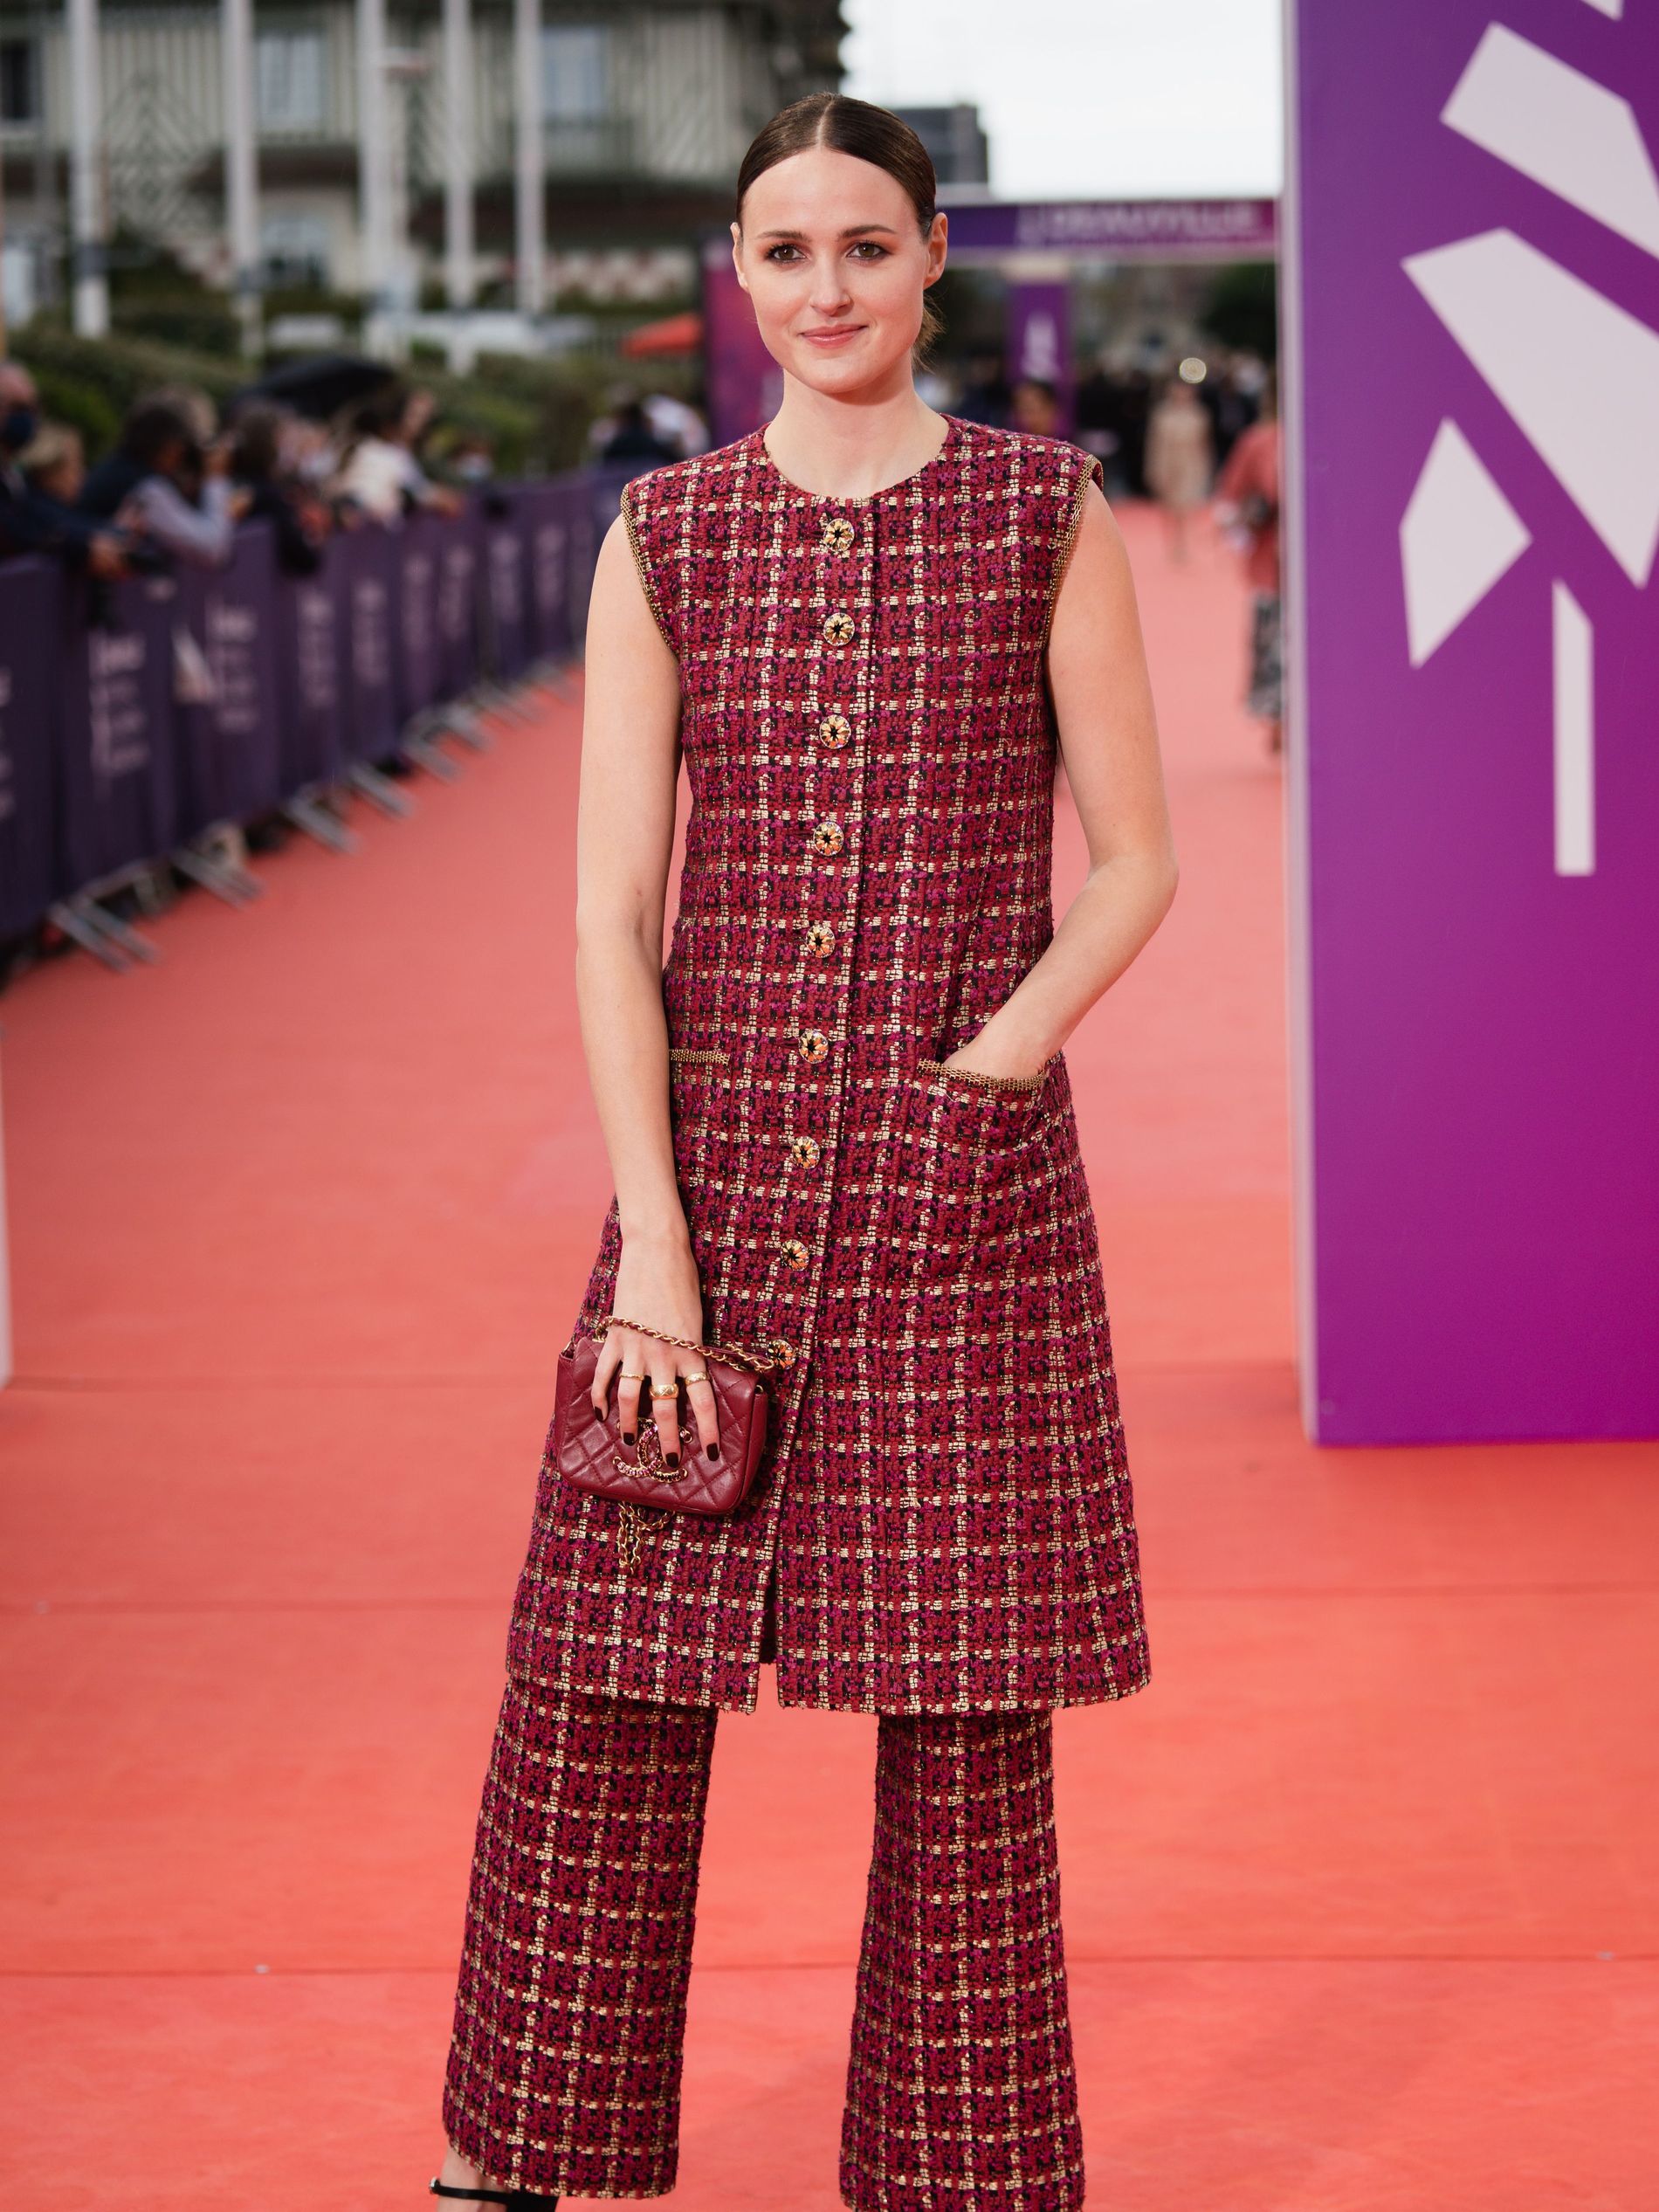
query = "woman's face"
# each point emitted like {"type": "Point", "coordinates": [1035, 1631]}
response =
{"type": "Point", "coordinates": [831, 255]}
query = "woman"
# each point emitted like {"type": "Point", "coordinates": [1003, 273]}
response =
{"type": "Point", "coordinates": [1247, 504]}
{"type": "Point", "coordinates": [843, 1135]}
{"type": "Point", "coordinates": [1181, 460]}
{"type": "Point", "coordinates": [298, 524]}
{"type": "Point", "coordinates": [381, 473]}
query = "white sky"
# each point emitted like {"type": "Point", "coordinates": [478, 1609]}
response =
{"type": "Point", "coordinates": [1089, 99]}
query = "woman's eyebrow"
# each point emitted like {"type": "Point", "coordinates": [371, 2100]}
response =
{"type": "Point", "coordinates": [853, 230]}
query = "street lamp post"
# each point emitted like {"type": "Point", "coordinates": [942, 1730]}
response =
{"type": "Point", "coordinates": [374, 197]}
{"type": "Point", "coordinates": [241, 158]}
{"type": "Point", "coordinates": [527, 157]}
{"type": "Point", "coordinates": [89, 284]}
{"type": "Point", "coordinates": [460, 273]}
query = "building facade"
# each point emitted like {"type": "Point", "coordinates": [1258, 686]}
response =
{"type": "Point", "coordinates": [646, 110]}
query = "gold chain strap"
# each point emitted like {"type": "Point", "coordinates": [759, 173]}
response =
{"type": "Point", "coordinates": [729, 1354]}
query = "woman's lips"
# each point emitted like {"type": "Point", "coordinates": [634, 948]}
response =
{"type": "Point", "coordinates": [832, 337]}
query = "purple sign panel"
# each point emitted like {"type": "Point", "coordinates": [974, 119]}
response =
{"type": "Point", "coordinates": [116, 793]}
{"type": "Point", "coordinates": [364, 561]}
{"type": "Point", "coordinates": [457, 604]}
{"type": "Point", "coordinates": [1116, 230]}
{"type": "Point", "coordinates": [506, 611]}
{"type": "Point", "coordinates": [419, 656]}
{"type": "Point", "coordinates": [1473, 402]}
{"type": "Point", "coordinates": [1039, 341]}
{"type": "Point", "coordinates": [547, 522]}
{"type": "Point", "coordinates": [229, 716]}
{"type": "Point", "coordinates": [313, 646]}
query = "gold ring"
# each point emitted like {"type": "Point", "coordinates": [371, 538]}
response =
{"type": "Point", "coordinates": [631, 1374]}
{"type": "Point", "coordinates": [672, 1391]}
{"type": "Point", "coordinates": [700, 1376]}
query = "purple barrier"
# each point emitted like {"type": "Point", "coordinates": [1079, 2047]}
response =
{"type": "Point", "coordinates": [457, 604]}
{"type": "Point", "coordinates": [229, 760]}
{"type": "Point", "coordinates": [116, 792]}
{"type": "Point", "coordinates": [504, 598]}
{"type": "Point", "coordinates": [363, 567]}
{"type": "Point", "coordinates": [546, 511]}
{"type": "Point", "coordinates": [106, 759]}
{"type": "Point", "coordinates": [1474, 797]}
{"type": "Point", "coordinates": [313, 647]}
{"type": "Point", "coordinates": [31, 619]}
{"type": "Point", "coordinates": [419, 656]}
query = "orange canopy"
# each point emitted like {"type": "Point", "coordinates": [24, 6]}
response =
{"type": "Point", "coordinates": [681, 333]}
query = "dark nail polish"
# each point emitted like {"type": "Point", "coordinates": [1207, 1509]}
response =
{"type": "Point", "coordinates": [672, 1457]}
{"type": "Point", "coordinates": [627, 1435]}
{"type": "Point", "coordinates": [598, 1412]}
{"type": "Point", "coordinates": [714, 1449]}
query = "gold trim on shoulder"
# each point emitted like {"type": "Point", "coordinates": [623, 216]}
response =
{"type": "Point", "coordinates": [1094, 473]}
{"type": "Point", "coordinates": [642, 567]}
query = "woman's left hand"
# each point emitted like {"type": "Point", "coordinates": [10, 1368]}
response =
{"type": "Point", "coordinates": [982, 1054]}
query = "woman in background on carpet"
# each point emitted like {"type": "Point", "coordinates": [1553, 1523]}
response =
{"type": "Point", "coordinates": [842, 1128]}
{"type": "Point", "coordinates": [1181, 460]}
{"type": "Point", "coordinates": [1247, 507]}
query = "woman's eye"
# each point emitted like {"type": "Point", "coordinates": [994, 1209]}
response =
{"type": "Point", "coordinates": [875, 249]}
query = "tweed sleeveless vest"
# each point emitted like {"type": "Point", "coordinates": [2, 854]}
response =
{"type": "Point", "coordinates": [871, 750]}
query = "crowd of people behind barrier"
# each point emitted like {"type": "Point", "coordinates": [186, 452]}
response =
{"type": "Point", "coordinates": [177, 481]}
{"type": "Point", "coordinates": [212, 628]}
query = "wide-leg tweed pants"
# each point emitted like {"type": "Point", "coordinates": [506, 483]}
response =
{"type": "Point", "coordinates": [564, 2070]}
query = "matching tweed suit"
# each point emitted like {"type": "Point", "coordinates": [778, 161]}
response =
{"type": "Point", "coordinates": [943, 1533]}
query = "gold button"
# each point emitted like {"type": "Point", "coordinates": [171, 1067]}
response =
{"type": "Point", "coordinates": [827, 837]}
{"type": "Point", "coordinates": [837, 534]}
{"type": "Point", "coordinates": [821, 939]}
{"type": "Point", "coordinates": [837, 628]}
{"type": "Point", "coordinates": [835, 730]}
{"type": "Point", "coordinates": [783, 1351]}
{"type": "Point", "coordinates": [804, 1151]}
{"type": "Point", "coordinates": [814, 1045]}
{"type": "Point", "coordinates": [795, 1252]}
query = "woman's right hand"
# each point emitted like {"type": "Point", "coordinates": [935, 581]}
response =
{"type": "Point", "coordinates": [656, 1284]}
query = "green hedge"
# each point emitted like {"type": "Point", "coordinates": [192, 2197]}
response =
{"type": "Point", "coordinates": [119, 370]}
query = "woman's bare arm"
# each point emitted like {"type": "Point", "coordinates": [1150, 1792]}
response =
{"type": "Point", "coordinates": [1109, 737]}
{"type": "Point", "coordinates": [624, 847]}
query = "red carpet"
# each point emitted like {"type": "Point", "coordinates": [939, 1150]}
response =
{"type": "Point", "coordinates": [1360, 1894]}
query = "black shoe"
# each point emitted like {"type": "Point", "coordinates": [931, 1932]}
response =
{"type": "Point", "coordinates": [515, 2200]}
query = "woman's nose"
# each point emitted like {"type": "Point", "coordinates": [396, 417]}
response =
{"type": "Point", "coordinates": [829, 289]}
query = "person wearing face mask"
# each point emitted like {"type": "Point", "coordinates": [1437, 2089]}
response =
{"type": "Point", "coordinates": [30, 520]}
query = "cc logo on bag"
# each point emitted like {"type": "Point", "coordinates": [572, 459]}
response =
{"type": "Point", "coordinates": [648, 1459]}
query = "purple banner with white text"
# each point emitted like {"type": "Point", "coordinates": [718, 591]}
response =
{"type": "Point", "coordinates": [1472, 265]}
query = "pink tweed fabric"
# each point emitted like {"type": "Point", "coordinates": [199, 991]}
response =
{"type": "Point", "coordinates": [564, 2067]}
{"type": "Point", "coordinates": [872, 749]}
{"type": "Point", "coordinates": [960, 2085]}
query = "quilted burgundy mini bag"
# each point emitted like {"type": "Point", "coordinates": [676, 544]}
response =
{"type": "Point", "coordinates": [591, 1453]}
